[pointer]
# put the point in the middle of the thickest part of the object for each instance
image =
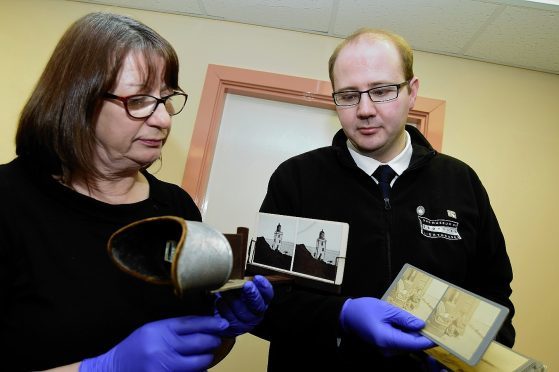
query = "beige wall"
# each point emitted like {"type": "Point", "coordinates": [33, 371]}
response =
{"type": "Point", "coordinates": [503, 121]}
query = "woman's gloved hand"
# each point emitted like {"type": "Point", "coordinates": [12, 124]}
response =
{"type": "Point", "coordinates": [175, 344]}
{"type": "Point", "coordinates": [244, 308]}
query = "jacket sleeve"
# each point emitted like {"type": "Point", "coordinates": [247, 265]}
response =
{"type": "Point", "coordinates": [493, 275]}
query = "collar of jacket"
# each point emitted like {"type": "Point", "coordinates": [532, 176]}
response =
{"type": "Point", "coordinates": [422, 149]}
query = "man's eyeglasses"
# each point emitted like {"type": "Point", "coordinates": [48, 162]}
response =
{"type": "Point", "coordinates": [141, 106]}
{"type": "Point", "coordinates": [380, 94]}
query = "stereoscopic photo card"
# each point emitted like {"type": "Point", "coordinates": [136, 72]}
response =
{"type": "Point", "coordinates": [497, 358]}
{"type": "Point", "coordinates": [305, 248]}
{"type": "Point", "coordinates": [459, 321]}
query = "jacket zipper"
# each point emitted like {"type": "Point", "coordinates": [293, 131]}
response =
{"type": "Point", "coordinates": [387, 209]}
{"type": "Point", "coordinates": [387, 204]}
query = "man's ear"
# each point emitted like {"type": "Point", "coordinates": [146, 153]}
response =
{"type": "Point", "coordinates": [413, 89]}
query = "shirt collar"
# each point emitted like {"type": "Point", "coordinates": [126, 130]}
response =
{"type": "Point", "coordinates": [400, 163]}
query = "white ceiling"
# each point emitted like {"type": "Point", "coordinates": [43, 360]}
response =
{"type": "Point", "coordinates": [519, 33]}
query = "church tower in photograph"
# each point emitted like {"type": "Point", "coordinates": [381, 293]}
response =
{"type": "Point", "coordinates": [278, 236]}
{"type": "Point", "coordinates": [320, 251]}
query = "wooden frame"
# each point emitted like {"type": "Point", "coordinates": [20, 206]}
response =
{"type": "Point", "coordinates": [427, 115]}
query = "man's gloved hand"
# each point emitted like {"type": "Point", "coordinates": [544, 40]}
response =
{"type": "Point", "coordinates": [434, 366]}
{"type": "Point", "coordinates": [383, 325]}
{"type": "Point", "coordinates": [244, 309]}
{"type": "Point", "coordinates": [175, 344]}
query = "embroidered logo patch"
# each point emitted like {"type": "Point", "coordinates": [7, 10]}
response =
{"type": "Point", "coordinates": [444, 229]}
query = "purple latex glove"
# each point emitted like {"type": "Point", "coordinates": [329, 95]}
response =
{"type": "Point", "coordinates": [244, 309]}
{"type": "Point", "coordinates": [175, 344]}
{"type": "Point", "coordinates": [386, 326]}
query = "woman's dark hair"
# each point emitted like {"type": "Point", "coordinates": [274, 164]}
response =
{"type": "Point", "coordinates": [56, 127]}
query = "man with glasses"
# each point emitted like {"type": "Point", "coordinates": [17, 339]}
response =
{"type": "Point", "coordinates": [404, 202]}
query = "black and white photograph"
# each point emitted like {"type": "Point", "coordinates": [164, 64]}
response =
{"type": "Point", "coordinates": [300, 246]}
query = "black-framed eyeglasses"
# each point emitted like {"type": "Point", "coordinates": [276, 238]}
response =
{"type": "Point", "coordinates": [141, 106]}
{"type": "Point", "coordinates": [385, 93]}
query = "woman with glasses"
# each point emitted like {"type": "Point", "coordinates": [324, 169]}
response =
{"type": "Point", "coordinates": [96, 120]}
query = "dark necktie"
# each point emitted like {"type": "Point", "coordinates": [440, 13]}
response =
{"type": "Point", "coordinates": [384, 174]}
